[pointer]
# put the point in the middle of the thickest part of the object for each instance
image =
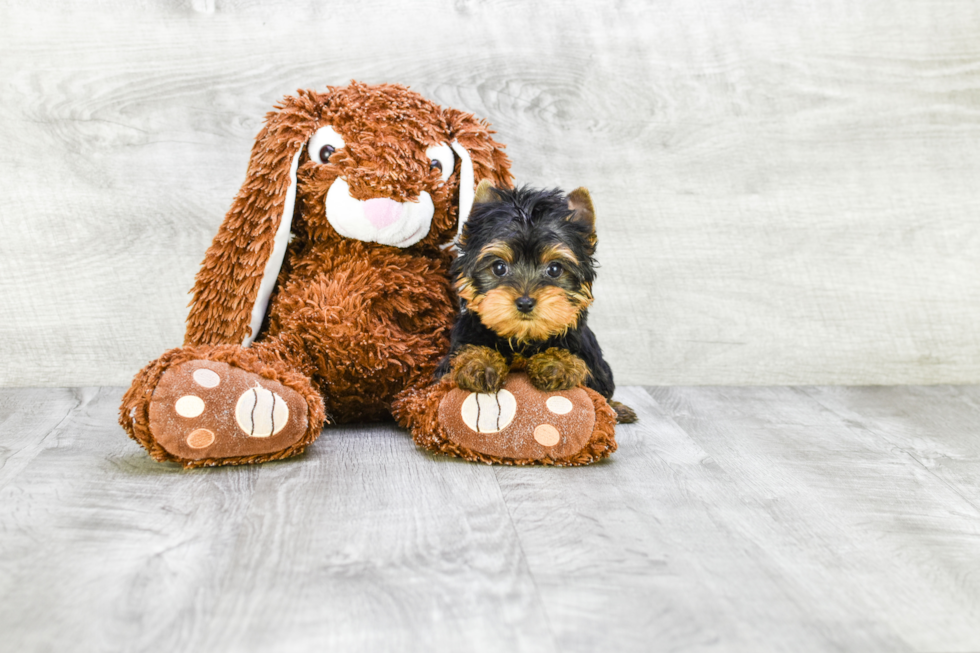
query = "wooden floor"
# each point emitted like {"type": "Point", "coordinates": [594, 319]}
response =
{"type": "Point", "coordinates": [730, 519]}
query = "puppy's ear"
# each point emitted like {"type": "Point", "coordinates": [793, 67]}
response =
{"type": "Point", "coordinates": [484, 155]}
{"type": "Point", "coordinates": [580, 202]}
{"type": "Point", "coordinates": [484, 192]}
{"type": "Point", "coordinates": [239, 272]}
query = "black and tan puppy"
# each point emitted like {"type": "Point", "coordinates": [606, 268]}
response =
{"type": "Point", "coordinates": [524, 277]}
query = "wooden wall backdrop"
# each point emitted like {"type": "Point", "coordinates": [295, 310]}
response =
{"type": "Point", "coordinates": [787, 192]}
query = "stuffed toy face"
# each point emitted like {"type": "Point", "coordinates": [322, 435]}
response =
{"type": "Point", "coordinates": [383, 166]}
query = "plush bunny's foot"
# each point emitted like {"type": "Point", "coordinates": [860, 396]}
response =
{"type": "Point", "coordinates": [206, 409]}
{"type": "Point", "coordinates": [517, 425]}
{"type": "Point", "coordinates": [210, 411]}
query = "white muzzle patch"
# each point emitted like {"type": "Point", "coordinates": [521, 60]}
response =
{"type": "Point", "coordinates": [380, 220]}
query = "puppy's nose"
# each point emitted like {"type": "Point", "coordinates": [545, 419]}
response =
{"type": "Point", "coordinates": [525, 304]}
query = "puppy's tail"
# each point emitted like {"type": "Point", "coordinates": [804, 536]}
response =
{"type": "Point", "coordinates": [624, 414]}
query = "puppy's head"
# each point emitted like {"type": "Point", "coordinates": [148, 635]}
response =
{"type": "Point", "coordinates": [525, 265]}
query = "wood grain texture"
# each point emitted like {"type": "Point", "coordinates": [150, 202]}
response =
{"type": "Point", "coordinates": [851, 527]}
{"type": "Point", "coordinates": [935, 426]}
{"type": "Point", "coordinates": [730, 519]}
{"type": "Point", "coordinates": [786, 191]}
{"type": "Point", "coordinates": [363, 544]}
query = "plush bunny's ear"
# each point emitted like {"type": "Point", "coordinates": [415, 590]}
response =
{"type": "Point", "coordinates": [271, 271]}
{"type": "Point", "coordinates": [238, 276]}
{"type": "Point", "coordinates": [465, 184]}
{"type": "Point", "coordinates": [481, 157]}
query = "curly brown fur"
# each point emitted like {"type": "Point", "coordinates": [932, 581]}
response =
{"type": "Point", "coordinates": [359, 321]}
{"type": "Point", "coordinates": [479, 369]}
{"type": "Point", "coordinates": [556, 369]}
{"type": "Point", "coordinates": [367, 325]}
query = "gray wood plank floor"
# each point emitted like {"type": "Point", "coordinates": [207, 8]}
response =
{"type": "Point", "coordinates": [731, 519]}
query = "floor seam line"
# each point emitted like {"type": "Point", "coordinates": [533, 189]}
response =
{"type": "Point", "coordinates": [527, 563]}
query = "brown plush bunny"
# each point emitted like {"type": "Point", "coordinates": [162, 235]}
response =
{"type": "Point", "coordinates": [325, 294]}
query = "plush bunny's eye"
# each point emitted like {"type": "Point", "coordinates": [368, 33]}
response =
{"type": "Point", "coordinates": [441, 158]}
{"type": "Point", "coordinates": [324, 142]}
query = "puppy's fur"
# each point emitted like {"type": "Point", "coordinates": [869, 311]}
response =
{"type": "Point", "coordinates": [524, 277]}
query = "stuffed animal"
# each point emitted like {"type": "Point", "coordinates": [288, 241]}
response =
{"type": "Point", "coordinates": [326, 290]}
{"type": "Point", "coordinates": [325, 295]}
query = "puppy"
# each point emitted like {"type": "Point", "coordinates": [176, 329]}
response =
{"type": "Point", "coordinates": [524, 277]}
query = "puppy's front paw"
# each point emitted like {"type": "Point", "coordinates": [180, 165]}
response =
{"type": "Point", "coordinates": [556, 369]}
{"type": "Point", "coordinates": [479, 369]}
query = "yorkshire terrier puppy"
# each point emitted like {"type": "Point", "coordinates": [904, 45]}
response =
{"type": "Point", "coordinates": [524, 277]}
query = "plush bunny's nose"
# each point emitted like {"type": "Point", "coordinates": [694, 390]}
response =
{"type": "Point", "coordinates": [382, 212]}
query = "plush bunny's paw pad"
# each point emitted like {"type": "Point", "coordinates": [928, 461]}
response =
{"type": "Point", "coordinates": [519, 423]}
{"type": "Point", "coordinates": [207, 409]}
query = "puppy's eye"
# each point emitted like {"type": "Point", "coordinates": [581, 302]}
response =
{"type": "Point", "coordinates": [499, 268]}
{"type": "Point", "coordinates": [554, 270]}
{"type": "Point", "coordinates": [323, 143]}
{"type": "Point", "coordinates": [441, 158]}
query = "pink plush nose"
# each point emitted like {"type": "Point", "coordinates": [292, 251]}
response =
{"type": "Point", "coordinates": [382, 212]}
